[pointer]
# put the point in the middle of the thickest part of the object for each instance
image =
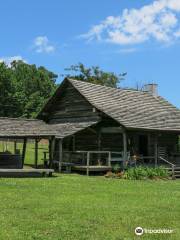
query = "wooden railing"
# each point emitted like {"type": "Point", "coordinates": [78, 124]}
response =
{"type": "Point", "coordinates": [171, 164]}
{"type": "Point", "coordinates": [87, 154]}
{"type": "Point", "coordinates": [102, 158]}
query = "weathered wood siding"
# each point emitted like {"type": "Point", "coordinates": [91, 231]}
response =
{"type": "Point", "coordinates": [71, 107]}
{"type": "Point", "coordinates": [169, 141]}
{"type": "Point", "coordinates": [166, 140]}
{"type": "Point", "coordinates": [86, 140]}
{"type": "Point", "coordinates": [112, 142]}
{"type": "Point", "coordinates": [94, 139]}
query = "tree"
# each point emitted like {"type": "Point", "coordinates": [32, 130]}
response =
{"type": "Point", "coordinates": [26, 88]}
{"type": "Point", "coordinates": [94, 75]}
{"type": "Point", "coordinates": [6, 91]}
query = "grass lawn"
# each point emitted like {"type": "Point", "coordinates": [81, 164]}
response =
{"type": "Point", "coordinates": [78, 207]}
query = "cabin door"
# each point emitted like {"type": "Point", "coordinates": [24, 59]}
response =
{"type": "Point", "coordinates": [143, 145]}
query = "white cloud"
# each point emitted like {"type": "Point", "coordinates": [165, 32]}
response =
{"type": "Point", "coordinates": [9, 60]}
{"type": "Point", "coordinates": [158, 21]}
{"type": "Point", "coordinates": [43, 45]}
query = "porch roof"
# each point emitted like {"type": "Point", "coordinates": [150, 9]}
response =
{"type": "Point", "coordinates": [19, 127]}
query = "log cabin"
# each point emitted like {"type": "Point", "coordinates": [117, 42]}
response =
{"type": "Point", "coordinates": [99, 127]}
{"type": "Point", "coordinates": [94, 128]}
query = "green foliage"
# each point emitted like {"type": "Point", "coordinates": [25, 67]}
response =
{"type": "Point", "coordinates": [94, 75]}
{"type": "Point", "coordinates": [6, 91]}
{"type": "Point", "coordinates": [24, 89]}
{"type": "Point", "coordinates": [140, 173]}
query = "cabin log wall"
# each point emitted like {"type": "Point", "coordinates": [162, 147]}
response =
{"type": "Point", "coordinates": [72, 107]}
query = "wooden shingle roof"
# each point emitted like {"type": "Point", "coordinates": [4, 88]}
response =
{"type": "Point", "coordinates": [66, 129]}
{"type": "Point", "coordinates": [19, 127]}
{"type": "Point", "coordinates": [133, 109]}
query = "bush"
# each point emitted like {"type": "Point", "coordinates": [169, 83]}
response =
{"type": "Point", "coordinates": [139, 173]}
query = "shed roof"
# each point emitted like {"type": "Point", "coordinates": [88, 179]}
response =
{"type": "Point", "coordinates": [131, 108]}
{"type": "Point", "coordinates": [18, 127]}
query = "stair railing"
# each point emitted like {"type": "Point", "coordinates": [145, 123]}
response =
{"type": "Point", "coordinates": [171, 164]}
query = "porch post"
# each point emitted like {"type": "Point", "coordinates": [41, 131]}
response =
{"type": "Point", "coordinates": [36, 153]}
{"type": "Point", "coordinates": [88, 159]}
{"type": "Point", "coordinates": [99, 146]}
{"type": "Point", "coordinates": [60, 154]}
{"type": "Point", "coordinates": [24, 150]}
{"type": "Point", "coordinates": [156, 150]}
{"type": "Point", "coordinates": [124, 148]}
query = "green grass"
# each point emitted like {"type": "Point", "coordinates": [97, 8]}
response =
{"type": "Point", "coordinates": [78, 207]}
{"type": "Point", "coordinates": [29, 157]}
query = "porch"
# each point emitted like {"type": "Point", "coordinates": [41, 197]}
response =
{"type": "Point", "coordinates": [98, 149]}
{"type": "Point", "coordinates": [103, 161]}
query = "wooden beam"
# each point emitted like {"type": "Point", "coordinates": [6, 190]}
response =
{"type": "Point", "coordinates": [88, 159]}
{"type": "Point", "coordinates": [124, 147]}
{"type": "Point", "coordinates": [24, 151]}
{"type": "Point", "coordinates": [109, 159]}
{"type": "Point", "coordinates": [99, 146]}
{"type": "Point", "coordinates": [156, 150]}
{"type": "Point", "coordinates": [36, 153]}
{"type": "Point", "coordinates": [15, 146]}
{"type": "Point", "coordinates": [99, 140]}
{"type": "Point", "coordinates": [51, 151]}
{"type": "Point", "coordinates": [74, 143]}
{"type": "Point", "coordinates": [60, 154]}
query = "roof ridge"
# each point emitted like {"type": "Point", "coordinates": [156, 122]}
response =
{"type": "Point", "coordinates": [108, 87]}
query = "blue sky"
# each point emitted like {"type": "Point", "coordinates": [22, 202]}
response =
{"type": "Point", "coordinates": [141, 38]}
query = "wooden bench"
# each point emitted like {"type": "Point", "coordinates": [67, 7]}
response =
{"type": "Point", "coordinates": [8, 160]}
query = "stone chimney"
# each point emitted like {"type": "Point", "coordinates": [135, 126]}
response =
{"type": "Point", "coordinates": [152, 88]}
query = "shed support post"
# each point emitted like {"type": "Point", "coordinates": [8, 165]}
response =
{"type": "Point", "coordinates": [51, 151]}
{"type": "Point", "coordinates": [124, 148]}
{"type": "Point", "coordinates": [50, 157]}
{"type": "Point", "coordinates": [36, 154]}
{"type": "Point", "coordinates": [24, 151]}
{"type": "Point", "coordinates": [60, 155]}
{"type": "Point", "coordinates": [15, 146]}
